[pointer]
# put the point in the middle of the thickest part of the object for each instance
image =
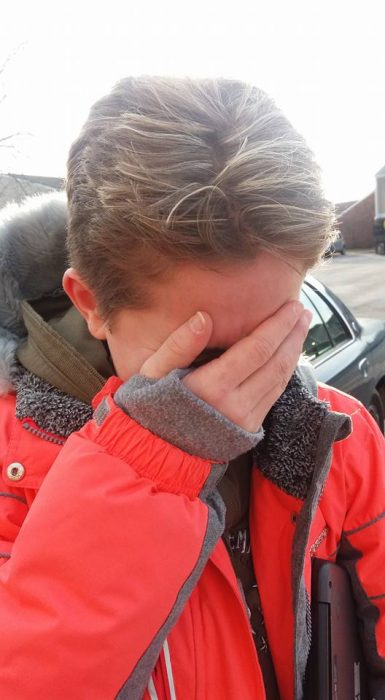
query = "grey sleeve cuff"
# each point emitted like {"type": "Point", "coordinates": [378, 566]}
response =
{"type": "Point", "coordinates": [169, 409]}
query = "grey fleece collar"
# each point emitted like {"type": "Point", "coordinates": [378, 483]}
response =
{"type": "Point", "coordinates": [49, 408]}
{"type": "Point", "coordinates": [286, 455]}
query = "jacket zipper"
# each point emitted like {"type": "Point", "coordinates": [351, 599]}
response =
{"type": "Point", "coordinates": [318, 541]}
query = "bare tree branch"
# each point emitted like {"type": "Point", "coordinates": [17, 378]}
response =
{"type": "Point", "coordinates": [11, 56]}
{"type": "Point", "coordinates": [6, 138]}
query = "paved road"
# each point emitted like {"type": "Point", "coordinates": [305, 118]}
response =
{"type": "Point", "coordinates": [359, 279]}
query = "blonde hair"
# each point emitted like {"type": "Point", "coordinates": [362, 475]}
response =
{"type": "Point", "coordinates": [168, 170]}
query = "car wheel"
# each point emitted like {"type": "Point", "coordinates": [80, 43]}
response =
{"type": "Point", "coordinates": [343, 251]}
{"type": "Point", "coordinates": [377, 410]}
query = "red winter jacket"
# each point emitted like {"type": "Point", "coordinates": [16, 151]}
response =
{"type": "Point", "coordinates": [114, 580]}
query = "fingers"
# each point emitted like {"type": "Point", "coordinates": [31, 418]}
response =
{"type": "Point", "coordinates": [181, 347]}
{"type": "Point", "coordinates": [248, 403]}
{"type": "Point", "coordinates": [260, 391]}
{"type": "Point", "coordinates": [246, 356]}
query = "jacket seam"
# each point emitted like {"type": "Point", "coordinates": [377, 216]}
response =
{"type": "Point", "coordinates": [365, 525]}
{"type": "Point", "coordinates": [13, 495]}
{"type": "Point", "coordinates": [376, 597]}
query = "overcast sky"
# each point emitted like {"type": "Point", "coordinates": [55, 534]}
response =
{"type": "Point", "coordinates": [322, 61]}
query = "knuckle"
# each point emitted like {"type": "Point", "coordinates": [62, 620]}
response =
{"type": "Point", "coordinates": [283, 367]}
{"type": "Point", "coordinates": [284, 372]}
{"type": "Point", "coordinates": [262, 350]}
{"type": "Point", "coordinates": [175, 345]}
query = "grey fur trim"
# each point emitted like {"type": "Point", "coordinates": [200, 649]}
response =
{"type": "Point", "coordinates": [286, 455]}
{"type": "Point", "coordinates": [32, 254]}
{"type": "Point", "coordinates": [8, 344]}
{"type": "Point", "coordinates": [49, 408]}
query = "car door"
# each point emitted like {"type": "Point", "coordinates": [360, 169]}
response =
{"type": "Point", "coordinates": [336, 351]}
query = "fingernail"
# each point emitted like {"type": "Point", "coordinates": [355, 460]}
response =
{"type": "Point", "coordinates": [197, 323]}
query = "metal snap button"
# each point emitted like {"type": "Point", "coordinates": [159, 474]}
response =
{"type": "Point", "coordinates": [15, 471]}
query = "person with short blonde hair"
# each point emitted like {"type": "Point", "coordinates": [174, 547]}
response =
{"type": "Point", "coordinates": [204, 171]}
{"type": "Point", "coordinates": [170, 467]}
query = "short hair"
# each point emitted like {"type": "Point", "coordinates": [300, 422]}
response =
{"type": "Point", "coordinates": [170, 170]}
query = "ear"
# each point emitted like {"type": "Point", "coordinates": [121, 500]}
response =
{"type": "Point", "coordinates": [84, 299]}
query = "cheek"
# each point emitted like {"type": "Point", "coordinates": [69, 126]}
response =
{"type": "Point", "coordinates": [129, 350]}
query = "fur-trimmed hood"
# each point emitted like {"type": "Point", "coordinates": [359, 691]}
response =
{"type": "Point", "coordinates": [32, 254]}
{"type": "Point", "coordinates": [32, 262]}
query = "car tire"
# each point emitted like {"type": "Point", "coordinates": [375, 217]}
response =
{"type": "Point", "coordinates": [377, 410]}
{"type": "Point", "coordinates": [343, 251]}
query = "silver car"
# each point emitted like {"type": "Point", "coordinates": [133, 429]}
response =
{"type": "Point", "coordinates": [346, 352]}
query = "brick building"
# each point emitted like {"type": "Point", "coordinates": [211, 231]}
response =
{"type": "Point", "coordinates": [356, 222]}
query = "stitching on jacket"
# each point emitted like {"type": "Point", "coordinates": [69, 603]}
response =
{"type": "Point", "coordinates": [364, 525]}
{"type": "Point", "coordinates": [13, 495]}
{"type": "Point", "coordinates": [42, 435]}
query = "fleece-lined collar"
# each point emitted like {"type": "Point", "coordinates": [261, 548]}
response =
{"type": "Point", "coordinates": [286, 455]}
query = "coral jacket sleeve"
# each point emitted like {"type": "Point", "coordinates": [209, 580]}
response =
{"type": "Point", "coordinates": [103, 563]}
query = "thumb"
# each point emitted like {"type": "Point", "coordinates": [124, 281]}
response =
{"type": "Point", "coordinates": [181, 347]}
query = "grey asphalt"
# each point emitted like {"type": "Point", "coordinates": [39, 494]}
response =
{"type": "Point", "coordinates": [358, 278]}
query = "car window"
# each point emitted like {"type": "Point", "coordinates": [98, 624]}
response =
{"type": "Point", "coordinates": [336, 327]}
{"type": "Point", "coordinates": [327, 330]}
{"type": "Point", "coordinates": [317, 340]}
